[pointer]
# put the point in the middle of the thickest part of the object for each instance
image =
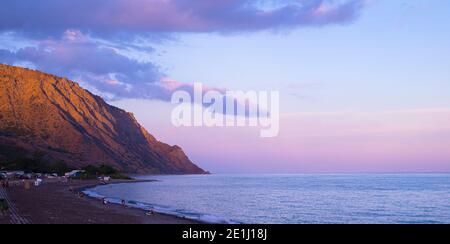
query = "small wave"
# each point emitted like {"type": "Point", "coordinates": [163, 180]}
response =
{"type": "Point", "coordinates": [205, 218]}
{"type": "Point", "coordinates": [93, 194]}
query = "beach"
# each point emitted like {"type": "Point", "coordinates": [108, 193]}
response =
{"type": "Point", "coordinates": [58, 202]}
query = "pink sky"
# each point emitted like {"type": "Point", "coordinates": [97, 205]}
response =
{"type": "Point", "coordinates": [388, 141]}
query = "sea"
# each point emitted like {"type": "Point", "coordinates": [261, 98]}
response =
{"type": "Point", "coordinates": [291, 199]}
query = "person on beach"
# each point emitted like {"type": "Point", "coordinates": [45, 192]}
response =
{"type": "Point", "coordinates": [105, 202]}
{"type": "Point", "coordinates": [5, 183]}
{"type": "Point", "coordinates": [4, 207]}
{"type": "Point", "coordinates": [150, 212]}
{"type": "Point", "coordinates": [27, 184]}
{"type": "Point", "coordinates": [124, 203]}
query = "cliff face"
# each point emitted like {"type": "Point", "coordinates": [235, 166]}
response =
{"type": "Point", "coordinates": [56, 117]}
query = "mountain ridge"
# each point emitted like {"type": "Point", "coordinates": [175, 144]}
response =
{"type": "Point", "coordinates": [45, 113]}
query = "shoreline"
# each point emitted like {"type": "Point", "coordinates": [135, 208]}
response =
{"type": "Point", "coordinates": [113, 182]}
{"type": "Point", "coordinates": [118, 182]}
{"type": "Point", "coordinates": [58, 202]}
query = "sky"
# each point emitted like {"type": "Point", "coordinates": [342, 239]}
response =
{"type": "Point", "coordinates": [364, 84]}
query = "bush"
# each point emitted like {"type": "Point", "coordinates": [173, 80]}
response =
{"type": "Point", "coordinates": [37, 165]}
{"type": "Point", "coordinates": [101, 170]}
{"type": "Point", "coordinates": [59, 168]}
{"type": "Point", "coordinates": [120, 176]}
{"type": "Point", "coordinates": [92, 172]}
{"type": "Point", "coordinates": [107, 170]}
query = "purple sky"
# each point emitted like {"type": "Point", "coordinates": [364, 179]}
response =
{"type": "Point", "coordinates": [364, 83]}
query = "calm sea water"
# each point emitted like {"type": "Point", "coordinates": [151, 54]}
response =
{"type": "Point", "coordinates": [353, 198]}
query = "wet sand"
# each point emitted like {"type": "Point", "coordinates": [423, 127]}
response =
{"type": "Point", "coordinates": [57, 202]}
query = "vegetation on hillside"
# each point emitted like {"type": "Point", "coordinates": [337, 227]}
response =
{"type": "Point", "coordinates": [37, 164]}
{"type": "Point", "coordinates": [92, 172]}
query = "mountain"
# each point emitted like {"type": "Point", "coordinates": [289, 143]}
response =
{"type": "Point", "coordinates": [41, 114]}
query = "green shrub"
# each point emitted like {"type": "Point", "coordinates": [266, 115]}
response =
{"type": "Point", "coordinates": [92, 172]}
{"type": "Point", "coordinates": [120, 176]}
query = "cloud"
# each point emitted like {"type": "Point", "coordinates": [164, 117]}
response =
{"type": "Point", "coordinates": [98, 65]}
{"type": "Point", "coordinates": [106, 44]}
{"type": "Point", "coordinates": [102, 17]}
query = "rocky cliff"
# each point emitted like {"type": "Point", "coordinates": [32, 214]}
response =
{"type": "Point", "coordinates": [65, 123]}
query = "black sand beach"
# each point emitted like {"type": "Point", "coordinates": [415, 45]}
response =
{"type": "Point", "coordinates": [57, 202]}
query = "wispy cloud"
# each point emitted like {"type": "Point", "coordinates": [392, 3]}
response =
{"type": "Point", "coordinates": [138, 16]}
